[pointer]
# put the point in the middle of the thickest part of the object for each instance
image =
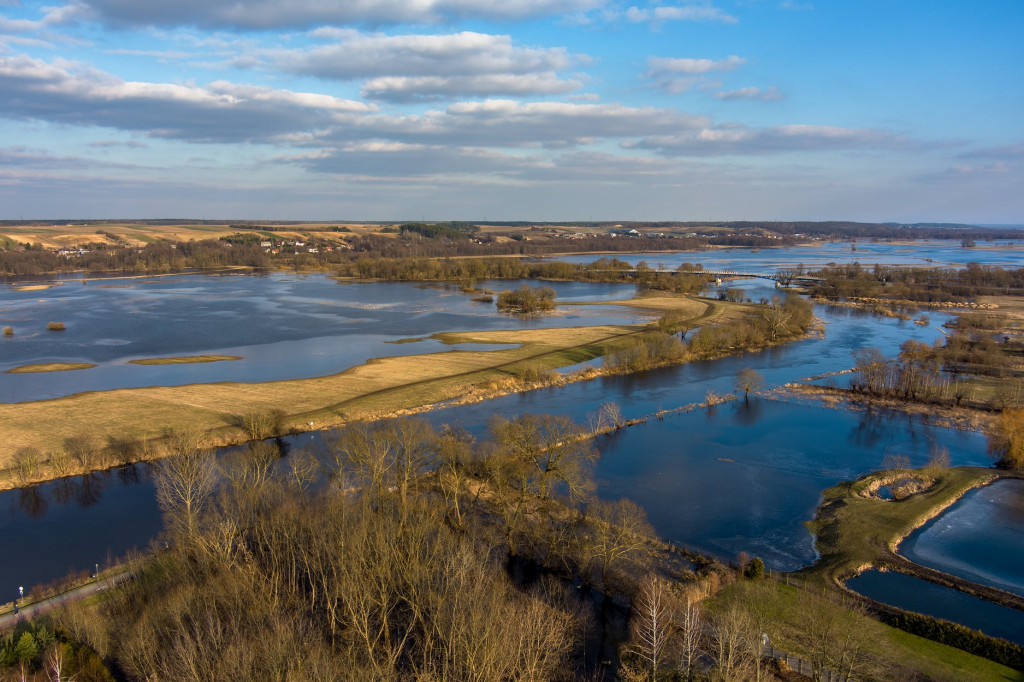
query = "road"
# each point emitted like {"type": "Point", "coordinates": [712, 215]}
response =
{"type": "Point", "coordinates": [28, 611]}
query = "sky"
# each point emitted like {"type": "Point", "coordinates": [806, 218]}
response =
{"type": "Point", "coordinates": [540, 110]}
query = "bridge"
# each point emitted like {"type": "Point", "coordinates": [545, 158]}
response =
{"type": "Point", "coordinates": [781, 277]}
{"type": "Point", "coordinates": [785, 278]}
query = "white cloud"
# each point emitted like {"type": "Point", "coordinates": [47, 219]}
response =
{"type": "Point", "coordinates": [666, 65]}
{"type": "Point", "coordinates": [691, 12]}
{"type": "Point", "coordinates": [676, 75]}
{"type": "Point", "coordinates": [742, 140]}
{"type": "Point", "coordinates": [410, 67]}
{"type": "Point", "coordinates": [159, 54]}
{"type": "Point", "coordinates": [403, 89]}
{"type": "Point", "coordinates": [67, 92]}
{"type": "Point", "coordinates": [277, 14]}
{"type": "Point", "coordinates": [771, 94]}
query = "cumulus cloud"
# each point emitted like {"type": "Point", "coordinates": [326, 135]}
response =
{"type": "Point", "coordinates": [404, 160]}
{"type": "Point", "coordinates": [402, 89]}
{"type": "Point", "coordinates": [689, 12]}
{"type": "Point", "coordinates": [410, 67]}
{"type": "Point", "coordinates": [66, 92]}
{"type": "Point", "coordinates": [771, 94]}
{"type": "Point", "coordinates": [743, 140]}
{"type": "Point", "coordinates": [677, 75]}
{"type": "Point", "coordinates": [276, 14]}
{"type": "Point", "coordinates": [668, 65]}
{"type": "Point", "coordinates": [511, 123]}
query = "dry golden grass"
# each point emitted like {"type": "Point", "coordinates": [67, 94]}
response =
{"type": "Point", "coordinates": [381, 387]}
{"type": "Point", "coordinates": [185, 359]}
{"type": "Point", "coordinates": [1011, 306]}
{"type": "Point", "coordinates": [65, 236]}
{"type": "Point", "coordinates": [50, 367]}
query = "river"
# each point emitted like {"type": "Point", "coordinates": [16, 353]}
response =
{"type": "Point", "coordinates": [741, 477]}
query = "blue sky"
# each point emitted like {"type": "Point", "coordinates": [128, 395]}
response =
{"type": "Point", "coordinates": [522, 109]}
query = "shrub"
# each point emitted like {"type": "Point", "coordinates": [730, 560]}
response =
{"type": "Point", "coordinates": [56, 326]}
{"type": "Point", "coordinates": [527, 300]}
{"type": "Point", "coordinates": [26, 464]}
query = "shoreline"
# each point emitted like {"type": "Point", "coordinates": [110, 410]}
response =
{"type": "Point", "coordinates": [485, 381]}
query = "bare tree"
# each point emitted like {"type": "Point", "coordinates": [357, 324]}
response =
{"type": "Point", "coordinates": [26, 464]}
{"type": "Point", "coordinates": [611, 415]}
{"type": "Point", "coordinates": [748, 380]}
{"type": "Point", "coordinates": [619, 532]}
{"type": "Point", "coordinates": [83, 448]}
{"type": "Point", "coordinates": [415, 451]}
{"type": "Point", "coordinates": [61, 461]}
{"type": "Point", "coordinates": [259, 425]}
{"type": "Point", "coordinates": [554, 450]}
{"type": "Point", "coordinates": [185, 480]}
{"type": "Point", "coordinates": [650, 630]}
{"type": "Point", "coordinates": [455, 455]}
{"type": "Point", "coordinates": [690, 628]}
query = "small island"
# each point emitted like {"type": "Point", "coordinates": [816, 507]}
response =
{"type": "Point", "coordinates": [185, 359]}
{"type": "Point", "coordinates": [50, 367]}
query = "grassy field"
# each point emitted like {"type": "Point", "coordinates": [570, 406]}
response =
{"type": "Point", "coordinates": [854, 529]}
{"type": "Point", "coordinates": [185, 359]}
{"type": "Point", "coordinates": [137, 234]}
{"type": "Point", "coordinates": [50, 367]}
{"type": "Point", "coordinates": [381, 387]}
{"type": "Point", "coordinates": [792, 618]}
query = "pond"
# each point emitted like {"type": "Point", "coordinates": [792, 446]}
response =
{"type": "Point", "coordinates": [978, 539]}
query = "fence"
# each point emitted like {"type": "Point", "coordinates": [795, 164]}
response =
{"type": "Point", "coordinates": [801, 666]}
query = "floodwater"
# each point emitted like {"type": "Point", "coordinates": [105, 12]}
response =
{"type": "Point", "coordinates": [979, 538]}
{"type": "Point", "coordinates": [946, 253]}
{"type": "Point", "coordinates": [740, 477]}
{"type": "Point", "coordinates": [282, 326]}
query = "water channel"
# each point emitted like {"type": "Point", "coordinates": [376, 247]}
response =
{"type": "Point", "coordinates": [741, 477]}
{"type": "Point", "coordinates": [914, 594]}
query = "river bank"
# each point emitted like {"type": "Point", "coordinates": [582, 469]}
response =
{"type": "Point", "coordinates": [392, 386]}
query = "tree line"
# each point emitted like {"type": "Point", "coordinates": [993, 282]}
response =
{"type": "Point", "coordinates": [917, 284]}
{"type": "Point", "coordinates": [395, 552]}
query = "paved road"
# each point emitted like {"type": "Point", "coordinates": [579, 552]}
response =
{"type": "Point", "coordinates": [9, 619]}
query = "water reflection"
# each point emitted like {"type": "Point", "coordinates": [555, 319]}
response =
{"type": "Point", "coordinates": [90, 488]}
{"type": "Point", "coordinates": [748, 412]}
{"type": "Point", "coordinates": [280, 326]}
{"type": "Point", "coordinates": [32, 502]}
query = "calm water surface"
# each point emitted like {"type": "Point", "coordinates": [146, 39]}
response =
{"type": "Point", "coordinates": [980, 538]}
{"type": "Point", "coordinates": [742, 477]}
{"type": "Point", "coordinates": [924, 253]}
{"type": "Point", "coordinates": [282, 326]}
{"type": "Point", "coordinates": [914, 594]}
